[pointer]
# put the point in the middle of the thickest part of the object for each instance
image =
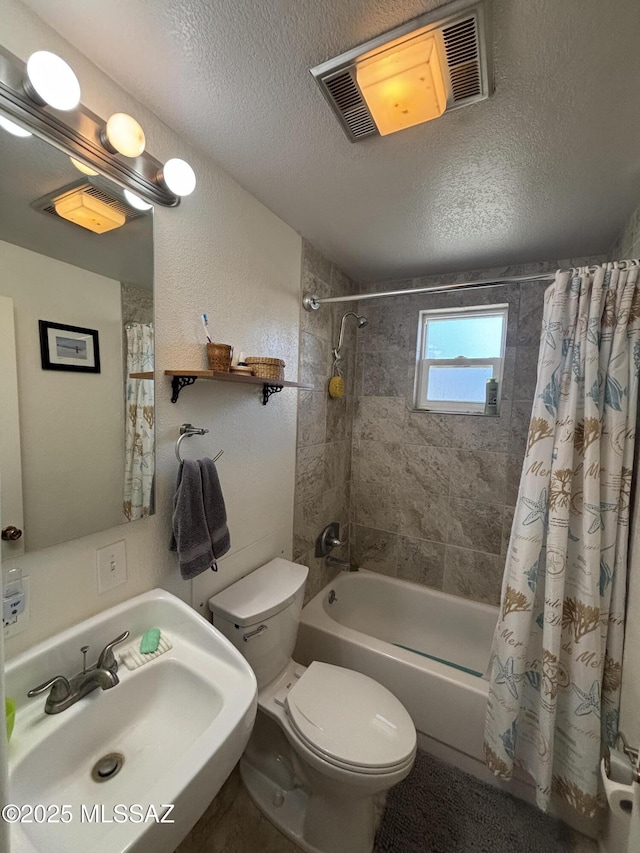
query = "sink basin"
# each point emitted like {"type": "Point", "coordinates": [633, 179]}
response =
{"type": "Point", "coordinates": [169, 734]}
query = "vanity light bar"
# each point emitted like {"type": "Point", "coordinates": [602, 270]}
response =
{"type": "Point", "coordinates": [116, 147]}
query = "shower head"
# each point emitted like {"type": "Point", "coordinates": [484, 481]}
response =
{"type": "Point", "coordinates": [362, 322]}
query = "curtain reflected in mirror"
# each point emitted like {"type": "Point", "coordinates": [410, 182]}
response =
{"type": "Point", "coordinates": [139, 420]}
{"type": "Point", "coordinates": [76, 341]}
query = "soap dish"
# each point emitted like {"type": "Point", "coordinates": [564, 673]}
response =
{"type": "Point", "coordinates": [132, 657]}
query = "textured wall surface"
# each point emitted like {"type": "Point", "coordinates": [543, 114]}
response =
{"type": "Point", "coordinates": [323, 461]}
{"type": "Point", "coordinates": [433, 494]}
{"type": "Point", "coordinates": [221, 252]}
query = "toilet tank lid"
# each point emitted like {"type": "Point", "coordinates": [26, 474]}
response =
{"type": "Point", "coordinates": [260, 594]}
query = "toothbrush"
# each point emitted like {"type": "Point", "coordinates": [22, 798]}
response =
{"type": "Point", "coordinates": [205, 323]}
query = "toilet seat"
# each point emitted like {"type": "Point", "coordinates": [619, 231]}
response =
{"type": "Point", "coordinates": [350, 721]}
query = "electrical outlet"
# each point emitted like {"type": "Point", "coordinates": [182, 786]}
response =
{"type": "Point", "coordinates": [20, 622]}
{"type": "Point", "coordinates": [112, 566]}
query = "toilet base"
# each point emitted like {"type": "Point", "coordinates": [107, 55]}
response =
{"type": "Point", "coordinates": [314, 812]}
{"type": "Point", "coordinates": [286, 809]}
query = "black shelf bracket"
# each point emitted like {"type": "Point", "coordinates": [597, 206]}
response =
{"type": "Point", "coordinates": [178, 383]}
{"type": "Point", "coordinates": [268, 390]}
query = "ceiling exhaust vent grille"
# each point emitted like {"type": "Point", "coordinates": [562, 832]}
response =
{"type": "Point", "coordinates": [462, 47]}
{"type": "Point", "coordinates": [349, 102]}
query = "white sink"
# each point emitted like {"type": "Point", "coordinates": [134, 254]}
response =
{"type": "Point", "coordinates": [180, 722]}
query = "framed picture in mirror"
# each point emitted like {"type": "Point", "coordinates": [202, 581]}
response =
{"type": "Point", "coordinates": [65, 347]}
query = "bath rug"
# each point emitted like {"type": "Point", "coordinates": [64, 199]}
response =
{"type": "Point", "coordinates": [440, 809]}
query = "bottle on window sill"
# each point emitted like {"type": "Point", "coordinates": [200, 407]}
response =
{"type": "Point", "coordinates": [491, 397]}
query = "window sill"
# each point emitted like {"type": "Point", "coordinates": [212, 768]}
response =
{"type": "Point", "coordinates": [452, 412]}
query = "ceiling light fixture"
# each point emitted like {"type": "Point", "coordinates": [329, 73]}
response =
{"type": "Point", "coordinates": [178, 176]}
{"type": "Point", "coordinates": [114, 148]}
{"type": "Point", "coordinates": [403, 85]}
{"type": "Point", "coordinates": [124, 135]}
{"type": "Point", "coordinates": [81, 167]}
{"type": "Point", "coordinates": [136, 201]}
{"type": "Point", "coordinates": [83, 209]}
{"type": "Point", "coordinates": [434, 64]}
{"type": "Point", "coordinates": [50, 80]}
{"type": "Point", "coordinates": [13, 128]}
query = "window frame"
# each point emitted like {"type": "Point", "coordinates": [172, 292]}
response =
{"type": "Point", "coordinates": [420, 392]}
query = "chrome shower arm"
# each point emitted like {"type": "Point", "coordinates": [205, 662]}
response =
{"type": "Point", "coordinates": [336, 351]}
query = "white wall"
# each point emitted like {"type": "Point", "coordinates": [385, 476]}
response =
{"type": "Point", "coordinates": [224, 253]}
{"type": "Point", "coordinates": [69, 487]}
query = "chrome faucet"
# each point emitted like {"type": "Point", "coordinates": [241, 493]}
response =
{"type": "Point", "coordinates": [343, 565]}
{"type": "Point", "coordinates": [327, 541]}
{"type": "Point", "coordinates": [66, 692]}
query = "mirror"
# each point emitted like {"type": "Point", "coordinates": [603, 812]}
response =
{"type": "Point", "coordinates": [76, 348]}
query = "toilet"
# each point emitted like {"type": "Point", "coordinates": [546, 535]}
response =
{"type": "Point", "coordinates": [328, 742]}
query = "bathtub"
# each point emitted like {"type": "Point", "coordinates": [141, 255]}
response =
{"type": "Point", "coordinates": [429, 648]}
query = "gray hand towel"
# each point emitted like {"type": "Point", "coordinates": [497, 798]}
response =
{"type": "Point", "coordinates": [200, 533]}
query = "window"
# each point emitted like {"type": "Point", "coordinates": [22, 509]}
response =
{"type": "Point", "coordinates": [459, 349]}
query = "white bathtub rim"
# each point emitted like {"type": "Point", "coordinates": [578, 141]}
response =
{"type": "Point", "coordinates": [345, 577]}
{"type": "Point", "coordinates": [315, 615]}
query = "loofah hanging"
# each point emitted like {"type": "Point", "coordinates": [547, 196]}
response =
{"type": "Point", "coordinates": [336, 386]}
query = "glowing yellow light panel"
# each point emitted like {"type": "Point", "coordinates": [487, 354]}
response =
{"type": "Point", "coordinates": [403, 85]}
{"type": "Point", "coordinates": [88, 212]}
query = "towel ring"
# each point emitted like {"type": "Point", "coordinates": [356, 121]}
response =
{"type": "Point", "coordinates": [186, 431]}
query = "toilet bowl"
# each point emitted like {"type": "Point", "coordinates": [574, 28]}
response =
{"type": "Point", "coordinates": [328, 742]}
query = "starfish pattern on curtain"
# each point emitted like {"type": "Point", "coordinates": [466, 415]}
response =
{"type": "Point", "coordinates": [556, 663]}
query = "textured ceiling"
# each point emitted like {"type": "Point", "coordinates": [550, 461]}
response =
{"type": "Point", "coordinates": [31, 169]}
{"type": "Point", "coordinates": [548, 167]}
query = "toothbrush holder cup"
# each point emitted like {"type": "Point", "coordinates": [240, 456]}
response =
{"type": "Point", "coordinates": [219, 357]}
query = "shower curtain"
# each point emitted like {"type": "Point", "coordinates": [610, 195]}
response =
{"type": "Point", "coordinates": [555, 671]}
{"type": "Point", "coordinates": [139, 423]}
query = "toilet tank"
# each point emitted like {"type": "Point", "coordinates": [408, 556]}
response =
{"type": "Point", "coordinates": [260, 615]}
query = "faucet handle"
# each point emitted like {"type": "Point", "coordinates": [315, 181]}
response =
{"type": "Point", "coordinates": [328, 539]}
{"type": "Point", "coordinates": [107, 658]}
{"type": "Point", "coordinates": [60, 689]}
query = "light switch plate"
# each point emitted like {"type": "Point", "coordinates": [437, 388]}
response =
{"type": "Point", "coordinates": [112, 566]}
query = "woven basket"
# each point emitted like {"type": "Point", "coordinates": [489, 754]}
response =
{"type": "Point", "coordinates": [219, 357]}
{"type": "Point", "coordinates": [266, 368]}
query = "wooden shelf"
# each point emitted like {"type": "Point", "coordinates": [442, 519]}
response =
{"type": "Point", "coordinates": [148, 374]}
{"type": "Point", "coordinates": [182, 378]}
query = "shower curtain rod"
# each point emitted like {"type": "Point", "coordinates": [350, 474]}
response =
{"type": "Point", "coordinates": [311, 302]}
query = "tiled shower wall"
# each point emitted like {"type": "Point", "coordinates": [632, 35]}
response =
{"type": "Point", "coordinates": [323, 461]}
{"type": "Point", "coordinates": [628, 244]}
{"type": "Point", "coordinates": [433, 494]}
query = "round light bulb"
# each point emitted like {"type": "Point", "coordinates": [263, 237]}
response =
{"type": "Point", "coordinates": [86, 170]}
{"type": "Point", "coordinates": [178, 176]}
{"type": "Point", "coordinates": [124, 135]}
{"type": "Point", "coordinates": [136, 201]}
{"type": "Point", "coordinates": [13, 128]}
{"type": "Point", "coordinates": [52, 81]}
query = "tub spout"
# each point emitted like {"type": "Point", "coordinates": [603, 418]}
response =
{"type": "Point", "coordinates": [343, 565]}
